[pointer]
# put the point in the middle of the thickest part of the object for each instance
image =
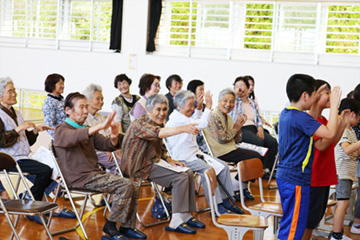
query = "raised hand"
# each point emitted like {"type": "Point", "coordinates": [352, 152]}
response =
{"type": "Point", "coordinates": [108, 121]}
{"type": "Point", "coordinates": [241, 119]}
{"type": "Point", "coordinates": [344, 116]}
{"type": "Point", "coordinates": [114, 127]}
{"type": "Point", "coordinates": [335, 96]}
{"type": "Point", "coordinates": [200, 101]}
{"type": "Point", "coordinates": [320, 90]}
{"type": "Point", "coordinates": [208, 99]}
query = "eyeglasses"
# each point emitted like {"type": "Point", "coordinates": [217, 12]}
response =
{"type": "Point", "coordinates": [156, 85]}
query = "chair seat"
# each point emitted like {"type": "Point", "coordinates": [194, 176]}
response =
{"type": "Point", "coordinates": [270, 207]}
{"type": "Point", "coordinates": [331, 203]}
{"type": "Point", "coordinates": [353, 187]}
{"type": "Point", "coordinates": [243, 220]}
{"type": "Point", "coordinates": [28, 206]}
{"type": "Point", "coordinates": [84, 191]}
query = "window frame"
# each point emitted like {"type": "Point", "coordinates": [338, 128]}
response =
{"type": "Point", "coordinates": [317, 56]}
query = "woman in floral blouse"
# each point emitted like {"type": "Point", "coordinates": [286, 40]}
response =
{"type": "Point", "coordinates": [53, 107]}
{"type": "Point", "coordinates": [223, 133]}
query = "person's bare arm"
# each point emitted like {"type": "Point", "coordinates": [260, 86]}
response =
{"type": "Point", "coordinates": [208, 99]}
{"type": "Point", "coordinates": [322, 144]}
{"type": "Point", "coordinates": [106, 124]}
{"type": "Point", "coordinates": [171, 131]}
{"type": "Point", "coordinates": [330, 129]}
{"type": "Point", "coordinates": [349, 148]}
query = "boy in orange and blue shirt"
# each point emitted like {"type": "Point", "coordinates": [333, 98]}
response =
{"type": "Point", "coordinates": [296, 130]}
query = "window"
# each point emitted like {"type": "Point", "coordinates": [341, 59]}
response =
{"type": "Point", "coordinates": [72, 23]}
{"type": "Point", "coordinates": [280, 31]}
{"type": "Point", "coordinates": [343, 29]}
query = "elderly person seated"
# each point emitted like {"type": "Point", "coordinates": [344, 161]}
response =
{"type": "Point", "coordinates": [140, 161]}
{"type": "Point", "coordinates": [93, 94]}
{"type": "Point", "coordinates": [123, 103]}
{"type": "Point", "coordinates": [253, 131]}
{"type": "Point", "coordinates": [16, 137]}
{"type": "Point", "coordinates": [222, 134]}
{"type": "Point", "coordinates": [149, 85]}
{"type": "Point", "coordinates": [183, 147]}
{"type": "Point", "coordinates": [173, 84]}
{"type": "Point", "coordinates": [75, 146]}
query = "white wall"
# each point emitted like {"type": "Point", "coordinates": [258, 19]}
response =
{"type": "Point", "coordinates": [29, 67]}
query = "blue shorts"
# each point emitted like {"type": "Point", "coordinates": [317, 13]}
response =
{"type": "Point", "coordinates": [295, 204]}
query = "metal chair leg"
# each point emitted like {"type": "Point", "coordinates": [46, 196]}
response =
{"type": "Point", "coordinates": [157, 191]}
{"type": "Point", "coordinates": [272, 172]}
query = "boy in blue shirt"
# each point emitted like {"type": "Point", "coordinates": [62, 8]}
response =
{"type": "Point", "coordinates": [296, 130]}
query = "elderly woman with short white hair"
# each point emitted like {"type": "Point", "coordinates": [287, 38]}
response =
{"type": "Point", "coordinates": [95, 99]}
{"type": "Point", "coordinates": [144, 151]}
{"type": "Point", "coordinates": [16, 137]}
{"type": "Point", "coordinates": [183, 147]}
{"type": "Point", "coordinates": [222, 134]}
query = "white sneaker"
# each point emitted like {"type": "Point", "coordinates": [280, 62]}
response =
{"type": "Point", "coordinates": [355, 230]}
{"type": "Point", "coordinates": [344, 237]}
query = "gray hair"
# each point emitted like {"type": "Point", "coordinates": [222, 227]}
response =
{"type": "Point", "coordinates": [3, 83]}
{"type": "Point", "coordinates": [181, 98]}
{"type": "Point", "coordinates": [90, 90]}
{"type": "Point", "coordinates": [154, 99]}
{"type": "Point", "coordinates": [226, 91]}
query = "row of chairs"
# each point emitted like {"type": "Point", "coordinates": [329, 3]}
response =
{"type": "Point", "coordinates": [236, 223]}
{"type": "Point", "coordinates": [31, 207]}
{"type": "Point", "coordinates": [87, 195]}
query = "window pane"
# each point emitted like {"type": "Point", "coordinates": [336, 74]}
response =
{"type": "Point", "coordinates": [196, 24]}
{"type": "Point", "coordinates": [43, 17]}
{"type": "Point", "coordinates": [296, 28]}
{"type": "Point", "coordinates": [102, 21]}
{"type": "Point", "coordinates": [343, 29]}
{"type": "Point", "coordinates": [212, 25]}
{"type": "Point", "coordinates": [258, 26]}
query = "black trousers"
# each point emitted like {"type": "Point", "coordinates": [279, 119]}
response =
{"type": "Point", "coordinates": [42, 174]}
{"type": "Point", "coordinates": [249, 136]}
{"type": "Point", "coordinates": [239, 155]}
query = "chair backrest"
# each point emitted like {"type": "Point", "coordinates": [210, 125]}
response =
{"type": "Point", "coordinates": [251, 169]}
{"type": "Point", "coordinates": [248, 170]}
{"type": "Point", "coordinates": [62, 178]}
{"type": "Point", "coordinates": [210, 179]}
{"type": "Point", "coordinates": [6, 161]}
{"type": "Point", "coordinates": [167, 146]}
{"type": "Point", "coordinates": [207, 143]}
{"type": "Point", "coordinates": [210, 172]}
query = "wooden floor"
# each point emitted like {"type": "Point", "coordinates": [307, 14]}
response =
{"type": "Point", "coordinates": [95, 221]}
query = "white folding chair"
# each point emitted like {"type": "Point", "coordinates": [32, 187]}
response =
{"type": "Point", "coordinates": [253, 169]}
{"type": "Point", "coordinates": [235, 225]}
{"type": "Point", "coordinates": [69, 191]}
{"type": "Point", "coordinates": [22, 207]}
